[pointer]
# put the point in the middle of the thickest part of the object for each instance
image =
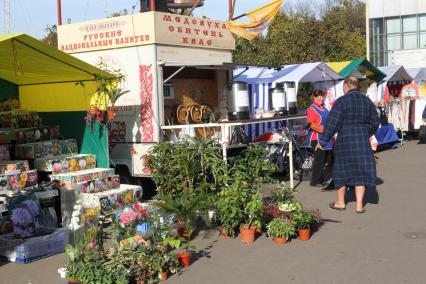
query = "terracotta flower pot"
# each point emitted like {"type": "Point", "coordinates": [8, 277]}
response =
{"type": "Point", "coordinates": [184, 258]}
{"type": "Point", "coordinates": [110, 114]}
{"type": "Point", "coordinates": [162, 275]}
{"type": "Point", "coordinates": [73, 281]}
{"type": "Point", "coordinates": [304, 234]}
{"type": "Point", "coordinates": [225, 235]}
{"type": "Point", "coordinates": [247, 234]}
{"type": "Point", "coordinates": [280, 241]}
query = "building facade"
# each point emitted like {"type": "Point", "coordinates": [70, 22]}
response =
{"type": "Point", "coordinates": [397, 32]}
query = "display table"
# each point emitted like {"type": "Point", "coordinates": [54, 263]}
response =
{"type": "Point", "coordinates": [386, 134]}
{"type": "Point", "coordinates": [226, 127]}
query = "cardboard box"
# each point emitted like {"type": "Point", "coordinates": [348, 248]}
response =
{"type": "Point", "coordinates": [18, 165]}
{"type": "Point", "coordinates": [36, 150]}
{"type": "Point", "coordinates": [70, 180]}
{"type": "Point", "coordinates": [99, 185]}
{"type": "Point", "coordinates": [66, 163]}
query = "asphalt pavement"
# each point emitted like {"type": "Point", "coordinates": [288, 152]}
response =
{"type": "Point", "coordinates": [387, 244]}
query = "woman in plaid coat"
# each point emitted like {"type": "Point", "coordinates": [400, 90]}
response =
{"type": "Point", "coordinates": [354, 118]}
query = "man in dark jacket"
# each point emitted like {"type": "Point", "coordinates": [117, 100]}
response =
{"type": "Point", "coordinates": [354, 118]}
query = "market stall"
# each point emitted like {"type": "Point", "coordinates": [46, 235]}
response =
{"type": "Point", "coordinates": [362, 69]}
{"type": "Point", "coordinates": [261, 79]}
{"type": "Point", "coordinates": [419, 80]}
{"type": "Point", "coordinates": [44, 98]}
{"type": "Point", "coordinates": [398, 93]}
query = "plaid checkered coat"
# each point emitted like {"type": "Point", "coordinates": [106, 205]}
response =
{"type": "Point", "coordinates": [354, 118]}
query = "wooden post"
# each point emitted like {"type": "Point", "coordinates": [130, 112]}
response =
{"type": "Point", "coordinates": [59, 13]}
{"type": "Point", "coordinates": [152, 5]}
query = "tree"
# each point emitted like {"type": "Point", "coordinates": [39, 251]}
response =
{"type": "Point", "coordinates": [52, 36]}
{"type": "Point", "coordinates": [335, 33]}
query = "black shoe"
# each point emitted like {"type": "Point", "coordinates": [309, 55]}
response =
{"type": "Point", "coordinates": [329, 187]}
{"type": "Point", "coordinates": [319, 184]}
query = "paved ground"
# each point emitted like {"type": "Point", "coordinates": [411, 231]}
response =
{"type": "Point", "coordinates": [385, 245]}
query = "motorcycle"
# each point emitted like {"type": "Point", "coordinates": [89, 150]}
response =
{"type": "Point", "coordinates": [276, 141]}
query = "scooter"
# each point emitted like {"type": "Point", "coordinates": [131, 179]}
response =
{"type": "Point", "coordinates": [276, 141]}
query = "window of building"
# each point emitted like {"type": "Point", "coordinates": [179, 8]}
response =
{"type": "Point", "coordinates": [409, 24]}
{"type": "Point", "coordinates": [393, 25]}
{"type": "Point", "coordinates": [390, 34]}
{"type": "Point", "coordinates": [393, 41]}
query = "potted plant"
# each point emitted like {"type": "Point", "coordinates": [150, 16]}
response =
{"type": "Point", "coordinates": [168, 262]}
{"type": "Point", "coordinates": [303, 220]}
{"type": "Point", "coordinates": [230, 210]}
{"type": "Point", "coordinates": [184, 207]}
{"type": "Point", "coordinates": [114, 94]}
{"type": "Point", "coordinates": [281, 230]}
{"type": "Point", "coordinates": [252, 212]}
{"type": "Point", "coordinates": [184, 256]}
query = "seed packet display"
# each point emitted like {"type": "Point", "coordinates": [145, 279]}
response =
{"type": "Point", "coordinates": [24, 211]}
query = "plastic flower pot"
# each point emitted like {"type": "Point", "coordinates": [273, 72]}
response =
{"type": "Point", "coordinates": [280, 241]}
{"type": "Point", "coordinates": [162, 275]}
{"type": "Point", "coordinates": [73, 281]}
{"type": "Point", "coordinates": [304, 234]}
{"type": "Point", "coordinates": [247, 234]}
{"type": "Point", "coordinates": [184, 258]}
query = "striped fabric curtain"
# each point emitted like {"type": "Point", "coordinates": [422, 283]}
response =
{"type": "Point", "coordinates": [258, 94]}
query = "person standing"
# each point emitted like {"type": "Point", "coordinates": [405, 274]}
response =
{"type": "Point", "coordinates": [316, 116]}
{"type": "Point", "coordinates": [354, 118]}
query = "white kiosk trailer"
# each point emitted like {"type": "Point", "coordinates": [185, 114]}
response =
{"type": "Point", "coordinates": [168, 60]}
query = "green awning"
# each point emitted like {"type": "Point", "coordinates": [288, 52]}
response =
{"type": "Point", "coordinates": [26, 61]}
{"type": "Point", "coordinates": [346, 68]}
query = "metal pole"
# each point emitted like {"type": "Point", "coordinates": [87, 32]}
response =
{"type": "Point", "coordinates": [152, 5]}
{"type": "Point", "coordinates": [290, 157]}
{"type": "Point", "coordinates": [59, 13]}
{"type": "Point", "coordinates": [231, 9]}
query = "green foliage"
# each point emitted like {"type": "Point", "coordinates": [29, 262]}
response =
{"type": "Point", "coordinates": [124, 260]}
{"type": "Point", "coordinates": [230, 210]}
{"type": "Point", "coordinates": [303, 219]}
{"type": "Point", "coordinates": [52, 36]}
{"type": "Point", "coordinates": [193, 165]}
{"type": "Point", "coordinates": [299, 36]}
{"type": "Point", "coordinates": [184, 207]}
{"type": "Point", "coordinates": [251, 168]}
{"type": "Point", "coordinates": [281, 228]}
{"type": "Point", "coordinates": [283, 193]}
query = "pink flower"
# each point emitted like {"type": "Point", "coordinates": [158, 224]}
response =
{"type": "Point", "coordinates": [128, 216]}
{"type": "Point", "coordinates": [92, 244]}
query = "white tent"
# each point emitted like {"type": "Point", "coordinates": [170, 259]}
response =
{"type": "Point", "coordinates": [399, 112]}
{"type": "Point", "coordinates": [419, 77]}
{"type": "Point", "coordinates": [418, 74]}
{"type": "Point", "coordinates": [395, 73]}
{"type": "Point", "coordinates": [261, 79]}
{"type": "Point", "coordinates": [298, 73]}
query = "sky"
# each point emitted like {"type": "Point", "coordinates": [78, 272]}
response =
{"type": "Point", "coordinates": [32, 16]}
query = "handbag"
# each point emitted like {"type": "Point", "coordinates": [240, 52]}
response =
{"type": "Point", "coordinates": [422, 134]}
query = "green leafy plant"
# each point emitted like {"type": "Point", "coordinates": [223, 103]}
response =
{"type": "Point", "coordinates": [194, 165]}
{"type": "Point", "coordinates": [303, 219]}
{"type": "Point", "coordinates": [283, 193]}
{"type": "Point", "coordinates": [253, 208]}
{"type": "Point", "coordinates": [281, 228]}
{"type": "Point", "coordinates": [184, 207]}
{"type": "Point", "coordinates": [230, 209]}
{"type": "Point", "coordinates": [251, 168]}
